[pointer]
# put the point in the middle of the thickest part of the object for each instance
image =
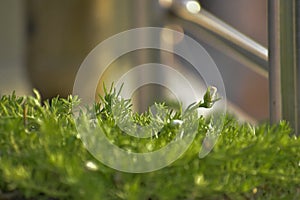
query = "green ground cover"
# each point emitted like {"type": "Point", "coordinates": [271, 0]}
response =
{"type": "Point", "coordinates": [42, 157]}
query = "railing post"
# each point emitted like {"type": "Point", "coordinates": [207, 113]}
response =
{"type": "Point", "coordinates": [274, 60]}
{"type": "Point", "coordinates": [297, 38]}
{"type": "Point", "coordinates": [283, 62]}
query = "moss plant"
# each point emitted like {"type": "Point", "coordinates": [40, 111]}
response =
{"type": "Point", "coordinates": [42, 157]}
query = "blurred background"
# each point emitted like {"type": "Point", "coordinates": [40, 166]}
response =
{"type": "Point", "coordinates": [43, 43]}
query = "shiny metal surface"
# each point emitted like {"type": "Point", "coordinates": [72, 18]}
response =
{"type": "Point", "coordinates": [218, 27]}
{"type": "Point", "coordinates": [284, 88]}
{"type": "Point", "coordinates": [275, 62]}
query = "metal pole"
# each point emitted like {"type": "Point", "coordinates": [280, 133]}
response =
{"type": "Point", "coordinates": [297, 21]}
{"type": "Point", "coordinates": [274, 61]}
{"type": "Point", "coordinates": [282, 62]}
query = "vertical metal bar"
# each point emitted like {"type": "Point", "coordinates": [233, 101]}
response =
{"type": "Point", "coordinates": [288, 63]}
{"type": "Point", "coordinates": [297, 38]}
{"type": "Point", "coordinates": [274, 61]}
{"type": "Point", "coordinates": [282, 62]}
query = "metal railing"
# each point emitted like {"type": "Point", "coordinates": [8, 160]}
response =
{"type": "Point", "coordinates": [280, 63]}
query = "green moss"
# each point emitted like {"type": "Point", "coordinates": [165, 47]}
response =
{"type": "Point", "coordinates": [42, 157]}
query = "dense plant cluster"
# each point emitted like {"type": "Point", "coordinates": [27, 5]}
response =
{"type": "Point", "coordinates": [42, 157]}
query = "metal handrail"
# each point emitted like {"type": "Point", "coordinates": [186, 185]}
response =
{"type": "Point", "coordinates": [224, 37]}
{"type": "Point", "coordinates": [208, 21]}
{"type": "Point", "coordinates": [282, 57]}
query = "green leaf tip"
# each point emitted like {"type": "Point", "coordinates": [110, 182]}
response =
{"type": "Point", "coordinates": [210, 97]}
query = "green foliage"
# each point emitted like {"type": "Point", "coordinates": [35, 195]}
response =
{"type": "Point", "coordinates": [42, 157]}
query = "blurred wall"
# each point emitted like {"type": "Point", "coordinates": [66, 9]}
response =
{"type": "Point", "coordinates": [51, 38]}
{"type": "Point", "coordinates": [62, 33]}
{"type": "Point", "coordinates": [12, 48]}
